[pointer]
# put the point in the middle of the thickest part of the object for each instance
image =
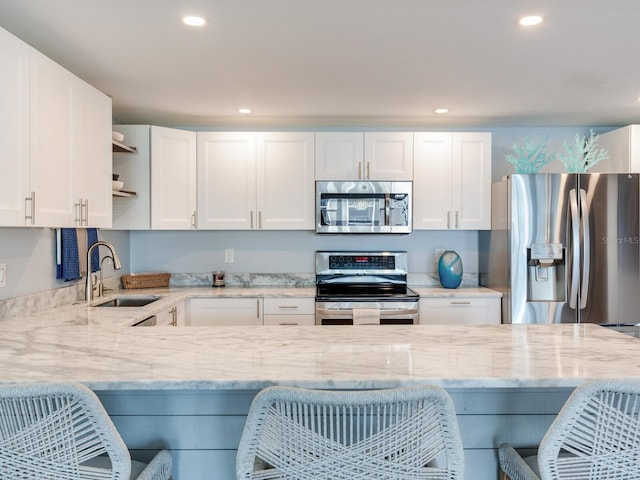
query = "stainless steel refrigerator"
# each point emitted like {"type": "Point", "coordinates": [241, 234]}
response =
{"type": "Point", "coordinates": [564, 248]}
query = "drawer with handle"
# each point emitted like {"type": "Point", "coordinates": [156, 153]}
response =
{"type": "Point", "coordinates": [460, 310]}
{"type": "Point", "coordinates": [289, 311]}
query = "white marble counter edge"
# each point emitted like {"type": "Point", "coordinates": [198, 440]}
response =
{"type": "Point", "coordinates": [343, 384]}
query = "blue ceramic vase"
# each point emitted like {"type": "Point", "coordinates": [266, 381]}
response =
{"type": "Point", "coordinates": [450, 269]}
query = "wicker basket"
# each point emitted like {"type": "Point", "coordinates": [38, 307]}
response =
{"type": "Point", "coordinates": [146, 280]}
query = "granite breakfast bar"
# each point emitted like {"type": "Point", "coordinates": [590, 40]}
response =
{"type": "Point", "coordinates": [188, 389]}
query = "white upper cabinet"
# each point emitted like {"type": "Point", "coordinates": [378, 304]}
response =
{"type": "Point", "coordinates": [388, 156]}
{"type": "Point", "coordinates": [285, 186]}
{"type": "Point", "coordinates": [226, 180]}
{"type": "Point", "coordinates": [339, 155]}
{"type": "Point", "coordinates": [364, 156]}
{"type": "Point", "coordinates": [452, 181]}
{"type": "Point", "coordinates": [94, 167]}
{"type": "Point", "coordinates": [255, 181]}
{"type": "Point", "coordinates": [14, 128]}
{"type": "Point", "coordinates": [57, 147]}
{"type": "Point", "coordinates": [623, 146]}
{"type": "Point", "coordinates": [173, 179]}
{"type": "Point", "coordinates": [54, 121]}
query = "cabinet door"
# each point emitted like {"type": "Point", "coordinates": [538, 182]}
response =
{"type": "Point", "coordinates": [432, 184]}
{"type": "Point", "coordinates": [460, 311]}
{"type": "Point", "coordinates": [173, 179]}
{"type": "Point", "coordinates": [388, 156]}
{"type": "Point", "coordinates": [339, 155]}
{"type": "Point", "coordinates": [223, 311]}
{"type": "Point", "coordinates": [54, 120]}
{"type": "Point", "coordinates": [285, 185]}
{"type": "Point", "coordinates": [471, 196]}
{"type": "Point", "coordinates": [14, 129]}
{"type": "Point", "coordinates": [623, 145]}
{"type": "Point", "coordinates": [227, 181]}
{"type": "Point", "coordinates": [94, 167]}
{"type": "Point", "coordinates": [172, 317]}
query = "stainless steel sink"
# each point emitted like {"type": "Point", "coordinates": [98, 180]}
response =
{"type": "Point", "coordinates": [130, 301]}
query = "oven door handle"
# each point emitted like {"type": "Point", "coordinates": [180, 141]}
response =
{"type": "Point", "coordinates": [394, 312]}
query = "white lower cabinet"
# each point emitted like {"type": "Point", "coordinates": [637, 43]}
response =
{"type": "Point", "coordinates": [460, 311]}
{"type": "Point", "coordinates": [172, 317]}
{"type": "Point", "coordinates": [223, 311]}
{"type": "Point", "coordinates": [289, 311]}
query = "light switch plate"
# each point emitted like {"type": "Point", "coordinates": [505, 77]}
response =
{"type": "Point", "coordinates": [3, 274]}
{"type": "Point", "coordinates": [228, 255]}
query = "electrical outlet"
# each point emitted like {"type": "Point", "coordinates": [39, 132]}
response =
{"type": "Point", "coordinates": [3, 274]}
{"type": "Point", "coordinates": [228, 255]}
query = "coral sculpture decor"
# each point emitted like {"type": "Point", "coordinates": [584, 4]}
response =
{"type": "Point", "coordinates": [529, 158]}
{"type": "Point", "coordinates": [581, 156]}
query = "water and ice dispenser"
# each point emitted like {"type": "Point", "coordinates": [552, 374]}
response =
{"type": "Point", "coordinates": [546, 277]}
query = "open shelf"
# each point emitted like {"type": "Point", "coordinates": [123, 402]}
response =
{"type": "Point", "coordinates": [121, 147]}
{"type": "Point", "coordinates": [123, 193]}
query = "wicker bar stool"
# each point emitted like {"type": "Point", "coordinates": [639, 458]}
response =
{"type": "Point", "coordinates": [596, 436]}
{"type": "Point", "coordinates": [403, 433]}
{"type": "Point", "coordinates": [62, 432]}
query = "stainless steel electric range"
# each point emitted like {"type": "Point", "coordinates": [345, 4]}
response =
{"type": "Point", "coordinates": [351, 283]}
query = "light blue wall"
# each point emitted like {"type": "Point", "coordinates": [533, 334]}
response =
{"type": "Point", "coordinates": [30, 252]}
{"type": "Point", "coordinates": [30, 256]}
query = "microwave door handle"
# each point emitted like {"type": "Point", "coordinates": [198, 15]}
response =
{"type": "Point", "coordinates": [387, 202]}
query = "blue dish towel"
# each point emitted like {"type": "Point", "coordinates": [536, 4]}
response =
{"type": "Point", "coordinates": [92, 237]}
{"type": "Point", "coordinates": [68, 253]}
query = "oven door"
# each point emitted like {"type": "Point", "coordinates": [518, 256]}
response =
{"type": "Point", "coordinates": [399, 312]}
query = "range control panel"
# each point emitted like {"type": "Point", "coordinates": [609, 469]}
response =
{"type": "Point", "coordinates": [362, 262]}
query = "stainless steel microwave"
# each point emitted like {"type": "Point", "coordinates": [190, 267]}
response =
{"type": "Point", "coordinates": [363, 207]}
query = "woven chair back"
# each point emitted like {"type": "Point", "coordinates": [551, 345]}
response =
{"type": "Point", "coordinates": [53, 431]}
{"type": "Point", "coordinates": [405, 433]}
{"type": "Point", "coordinates": [596, 435]}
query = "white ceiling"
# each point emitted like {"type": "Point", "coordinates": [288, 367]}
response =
{"type": "Point", "coordinates": [347, 62]}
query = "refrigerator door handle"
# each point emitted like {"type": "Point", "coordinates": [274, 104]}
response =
{"type": "Point", "coordinates": [575, 248]}
{"type": "Point", "coordinates": [586, 249]}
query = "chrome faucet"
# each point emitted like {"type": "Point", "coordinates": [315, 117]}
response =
{"type": "Point", "coordinates": [90, 286]}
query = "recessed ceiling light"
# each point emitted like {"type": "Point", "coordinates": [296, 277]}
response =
{"type": "Point", "coordinates": [531, 20]}
{"type": "Point", "coordinates": [194, 21]}
{"type": "Point", "coordinates": [441, 110]}
{"type": "Point", "coordinates": [244, 110]}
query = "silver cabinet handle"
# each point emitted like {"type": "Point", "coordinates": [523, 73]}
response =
{"type": "Point", "coordinates": [251, 216]}
{"type": "Point", "coordinates": [78, 207]}
{"type": "Point", "coordinates": [259, 219]}
{"type": "Point", "coordinates": [288, 307]}
{"type": "Point", "coordinates": [86, 212]}
{"type": "Point", "coordinates": [448, 218]}
{"type": "Point", "coordinates": [460, 302]}
{"type": "Point", "coordinates": [257, 308]}
{"type": "Point", "coordinates": [287, 323]}
{"type": "Point", "coordinates": [194, 219]}
{"type": "Point", "coordinates": [174, 317]}
{"type": "Point", "coordinates": [457, 224]}
{"type": "Point", "coordinates": [32, 210]}
{"type": "Point", "coordinates": [368, 172]}
{"type": "Point", "coordinates": [359, 170]}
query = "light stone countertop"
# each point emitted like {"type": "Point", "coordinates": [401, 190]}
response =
{"type": "Point", "coordinates": [76, 342]}
{"type": "Point", "coordinates": [63, 346]}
